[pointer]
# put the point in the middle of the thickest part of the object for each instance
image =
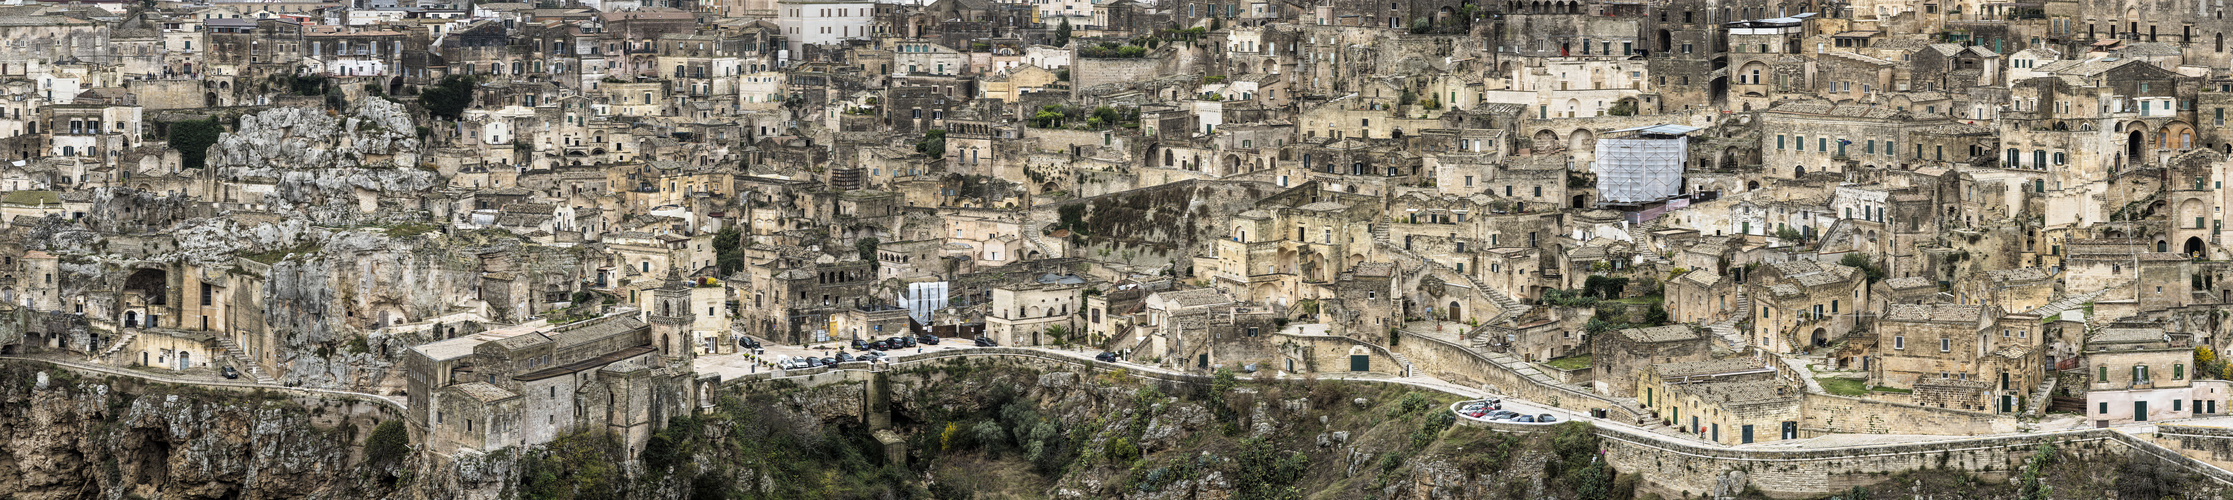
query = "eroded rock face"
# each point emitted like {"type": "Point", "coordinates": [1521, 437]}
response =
{"type": "Point", "coordinates": [328, 168]}
{"type": "Point", "coordinates": [82, 438]}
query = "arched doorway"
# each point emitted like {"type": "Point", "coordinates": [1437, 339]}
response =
{"type": "Point", "coordinates": [1799, 171]}
{"type": "Point", "coordinates": [1457, 312]}
{"type": "Point", "coordinates": [1821, 337]}
{"type": "Point", "coordinates": [2132, 144]}
{"type": "Point", "coordinates": [1581, 201]}
{"type": "Point", "coordinates": [2193, 246]}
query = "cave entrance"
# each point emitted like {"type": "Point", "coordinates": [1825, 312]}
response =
{"type": "Point", "coordinates": [154, 464]}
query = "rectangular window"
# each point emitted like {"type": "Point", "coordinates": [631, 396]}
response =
{"type": "Point", "coordinates": [1945, 345]}
{"type": "Point", "coordinates": [1779, 142]}
{"type": "Point", "coordinates": [2178, 371]}
{"type": "Point", "coordinates": [1802, 143]}
{"type": "Point", "coordinates": [2104, 408]}
{"type": "Point", "coordinates": [1899, 342]}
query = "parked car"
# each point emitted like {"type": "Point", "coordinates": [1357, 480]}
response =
{"type": "Point", "coordinates": [748, 343]}
{"type": "Point", "coordinates": [844, 358]}
{"type": "Point", "coordinates": [928, 339]}
{"type": "Point", "coordinates": [878, 345]}
{"type": "Point", "coordinates": [1545, 418]}
{"type": "Point", "coordinates": [986, 342]}
{"type": "Point", "coordinates": [829, 361]}
{"type": "Point", "coordinates": [870, 356]}
{"type": "Point", "coordinates": [1524, 419]}
{"type": "Point", "coordinates": [905, 341]}
{"type": "Point", "coordinates": [1476, 413]}
{"type": "Point", "coordinates": [1106, 357]}
{"type": "Point", "coordinates": [229, 372]}
{"type": "Point", "coordinates": [813, 362]}
{"type": "Point", "coordinates": [858, 345]}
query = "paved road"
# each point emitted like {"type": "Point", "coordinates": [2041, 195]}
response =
{"type": "Point", "coordinates": [399, 402]}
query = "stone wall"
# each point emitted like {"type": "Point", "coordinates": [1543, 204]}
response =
{"type": "Point", "coordinates": [1673, 468]}
{"type": "Point", "coordinates": [2213, 445]}
{"type": "Point", "coordinates": [1467, 367]}
{"type": "Point", "coordinates": [1827, 414]}
{"type": "Point", "coordinates": [1087, 72]}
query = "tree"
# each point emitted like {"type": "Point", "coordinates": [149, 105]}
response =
{"type": "Point", "coordinates": [1623, 108]}
{"type": "Point", "coordinates": [933, 143]}
{"type": "Point", "coordinates": [728, 250]}
{"type": "Point", "coordinates": [192, 139]}
{"type": "Point", "coordinates": [1788, 234]}
{"type": "Point", "coordinates": [867, 247]}
{"type": "Point", "coordinates": [1062, 33]}
{"type": "Point", "coordinates": [448, 98]}
{"type": "Point", "coordinates": [388, 445]}
{"type": "Point", "coordinates": [1862, 262]}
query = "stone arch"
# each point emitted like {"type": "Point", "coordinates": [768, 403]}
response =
{"type": "Point", "coordinates": [1581, 140]}
{"type": "Point", "coordinates": [1232, 164]}
{"type": "Point", "coordinates": [1545, 139]}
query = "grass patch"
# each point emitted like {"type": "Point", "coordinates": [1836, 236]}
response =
{"type": "Point", "coordinates": [1844, 386]}
{"type": "Point", "coordinates": [278, 254]}
{"type": "Point", "coordinates": [1570, 362]}
{"type": "Point", "coordinates": [1854, 387]}
{"type": "Point", "coordinates": [410, 229]}
{"type": "Point", "coordinates": [1641, 301]}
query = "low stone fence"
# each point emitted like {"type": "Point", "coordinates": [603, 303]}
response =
{"type": "Point", "coordinates": [1468, 367]}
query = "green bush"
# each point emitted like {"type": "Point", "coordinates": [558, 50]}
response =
{"type": "Point", "coordinates": [389, 444]}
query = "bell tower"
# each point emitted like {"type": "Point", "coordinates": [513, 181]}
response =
{"type": "Point", "coordinates": [670, 318]}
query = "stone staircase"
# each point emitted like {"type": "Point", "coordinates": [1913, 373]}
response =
{"type": "Point", "coordinates": [240, 358]}
{"type": "Point", "coordinates": [2039, 401]}
{"type": "Point", "coordinates": [1030, 229]}
{"type": "Point", "coordinates": [118, 346]}
{"type": "Point", "coordinates": [1402, 361]}
{"type": "Point", "coordinates": [1727, 327]}
{"type": "Point", "coordinates": [2068, 302]}
{"type": "Point", "coordinates": [1507, 308]}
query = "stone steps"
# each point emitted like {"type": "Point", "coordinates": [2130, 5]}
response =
{"type": "Point", "coordinates": [1402, 361]}
{"type": "Point", "coordinates": [119, 345]}
{"type": "Point", "coordinates": [1727, 327]}
{"type": "Point", "coordinates": [240, 357]}
{"type": "Point", "coordinates": [2039, 401]}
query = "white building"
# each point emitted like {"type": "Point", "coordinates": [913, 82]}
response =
{"type": "Point", "coordinates": [815, 22]}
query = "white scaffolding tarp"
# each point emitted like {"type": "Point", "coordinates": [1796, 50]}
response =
{"type": "Point", "coordinates": [1641, 169]}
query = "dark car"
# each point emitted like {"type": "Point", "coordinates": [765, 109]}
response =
{"type": "Point", "coordinates": [1545, 418]}
{"type": "Point", "coordinates": [748, 343]}
{"type": "Point", "coordinates": [986, 342]}
{"type": "Point", "coordinates": [829, 361]}
{"type": "Point", "coordinates": [905, 341]}
{"type": "Point", "coordinates": [813, 362]}
{"type": "Point", "coordinates": [928, 339]}
{"type": "Point", "coordinates": [1524, 419]}
{"type": "Point", "coordinates": [858, 345]}
{"type": "Point", "coordinates": [844, 358]}
{"type": "Point", "coordinates": [229, 372]}
{"type": "Point", "coordinates": [1106, 357]}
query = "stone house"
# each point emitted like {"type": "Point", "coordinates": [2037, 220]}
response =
{"type": "Point", "coordinates": [1726, 401]}
{"type": "Point", "coordinates": [1959, 356]}
{"type": "Point", "coordinates": [1618, 356]}
{"type": "Point", "coordinates": [2143, 375]}
{"type": "Point", "coordinates": [1804, 304]}
{"type": "Point", "coordinates": [1029, 313]}
{"type": "Point", "coordinates": [530, 383]}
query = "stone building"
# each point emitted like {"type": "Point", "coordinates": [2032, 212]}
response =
{"type": "Point", "coordinates": [1618, 356]}
{"type": "Point", "coordinates": [527, 384]}
{"type": "Point", "coordinates": [2139, 374]}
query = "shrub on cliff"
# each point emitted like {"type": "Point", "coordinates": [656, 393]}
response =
{"type": "Point", "coordinates": [388, 445]}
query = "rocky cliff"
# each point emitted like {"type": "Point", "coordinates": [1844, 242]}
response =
{"type": "Point", "coordinates": [64, 436]}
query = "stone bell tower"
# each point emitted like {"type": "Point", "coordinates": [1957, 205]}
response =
{"type": "Point", "coordinates": [670, 318]}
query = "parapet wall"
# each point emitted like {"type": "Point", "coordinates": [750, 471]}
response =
{"type": "Point", "coordinates": [1827, 414]}
{"type": "Point", "coordinates": [1471, 368]}
{"type": "Point", "coordinates": [1674, 468]}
